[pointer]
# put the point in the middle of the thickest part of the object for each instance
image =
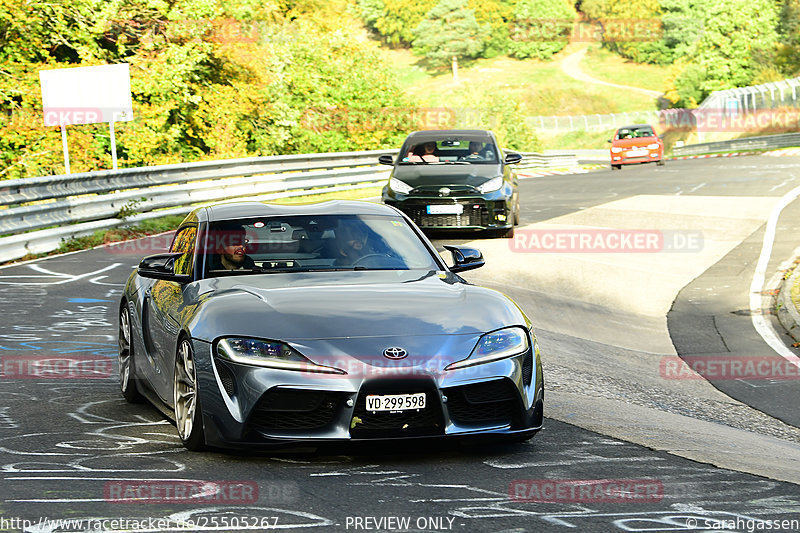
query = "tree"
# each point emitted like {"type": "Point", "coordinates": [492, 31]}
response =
{"type": "Point", "coordinates": [541, 28]}
{"type": "Point", "coordinates": [449, 30]}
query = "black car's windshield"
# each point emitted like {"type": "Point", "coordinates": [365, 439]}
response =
{"type": "Point", "coordinates": [313, 244]}
{"type": "Point", "coordinates": [450, 150]}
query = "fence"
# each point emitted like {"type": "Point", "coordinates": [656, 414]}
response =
{"type": "Point", "coordinates": [726, 103]}
{"type": "Point", "coordinates": [768, 142]}
{"type": "Point", "coordinates": [42, 212]}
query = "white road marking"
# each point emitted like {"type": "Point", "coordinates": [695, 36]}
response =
{"type": "Point", "coordinates": [760, 322]}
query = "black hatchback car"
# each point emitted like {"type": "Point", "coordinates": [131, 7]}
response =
{"type": "Point", "coordinates": [455, 179]}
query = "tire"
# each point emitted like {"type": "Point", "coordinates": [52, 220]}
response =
{"type": "Point", "coordinates": [516, 213]}
{"type": "Point", "coordinates": [188, 418]}
{"type": "Point", "coordinates": [127, 365]}
{"type": "Point", "coordinates": [616, 167]}
{"type": "Point", "coordinates": [660, 162]}
{"type": "Point", "coordinates": [505, 233]}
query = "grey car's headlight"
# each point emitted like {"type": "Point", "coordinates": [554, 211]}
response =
{"type": "Point", "coordinates": [269, 354]}
{"type": "Point", "coordinates": [491, 185]}
{"type": "Point", "coordinates": [398, 186]}
{"type": "Point", "coordinates": [500, 344]}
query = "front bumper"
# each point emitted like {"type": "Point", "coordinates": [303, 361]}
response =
{"type": "Point", "coordinates": [491, 211]}
{"type": "Point", "coordinates": [246, 407]}
{"type": "Point", "coordinates": [624, 158]}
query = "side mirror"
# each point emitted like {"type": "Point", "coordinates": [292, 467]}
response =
{"type": "Point", "coordinates": [513, 158]}
{"type": "Point", "coordinates": [162, 266]}
{"type": "Point", "coordinates": [386, 160]}
{"type": "Point", "coordinates": [465, 258]}
{"type": "Point", "coordinates": [609, 141]}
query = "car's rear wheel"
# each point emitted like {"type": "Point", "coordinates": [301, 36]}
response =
{"type": "Point", "coordinates": [660, 162]}
{"type": "Point", "coordinates": [188, 418]}
{"type": "Point", "coordinates": [127, 374]}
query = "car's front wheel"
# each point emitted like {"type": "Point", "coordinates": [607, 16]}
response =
{"type": "Point", "coordinates": [127, 373]}
{"type": "Point", "coordinates": [660, 162]}
{"type": "Point", "coordinates": [188, 418]}
{"type": "Point", "coordinates": [616, 167]}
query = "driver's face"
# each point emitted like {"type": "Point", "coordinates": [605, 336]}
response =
{"type": "Point", "coordinates": [233, 248]}
{"type": "Point", "coordinates": [354, 238]}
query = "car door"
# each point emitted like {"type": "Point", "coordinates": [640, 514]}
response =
{"type": "Point", "coordinates": [165, 302]}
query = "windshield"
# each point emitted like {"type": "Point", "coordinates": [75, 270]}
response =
{"type": "Point", "coordinates": [464, 150]}
{"type": "Point", "coordinates": [314, 244]}
{"type": "Point", "coordinates": [635, 133]}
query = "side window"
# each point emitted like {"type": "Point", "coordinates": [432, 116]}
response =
{"type": "Point", "coordinates": [184, 242]}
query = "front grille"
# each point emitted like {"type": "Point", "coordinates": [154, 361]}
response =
{"type": "Point", "coordinates": [475, 214]}
{"type": "Point", "coordinates": [295, 409]}
{"type": "Point", "coordinates": [490, 402]}
{"type": "Point", "coordinates": [427, 421]}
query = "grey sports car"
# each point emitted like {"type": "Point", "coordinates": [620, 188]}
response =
{"type": "Point", "coordinates": [271, 325]}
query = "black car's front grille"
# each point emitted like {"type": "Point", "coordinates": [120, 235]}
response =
{"type": "Point", "coordinates": [474, 214]}
{"type": "Point", "coordinates": [295, 409]}
{"type": "Point", "coordinates": [384, 424]}
{"type": "Point", "coordinates": [492, 402]}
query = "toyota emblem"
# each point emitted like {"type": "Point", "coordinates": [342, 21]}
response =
{"type": "Point", "coordinates": [394, 353]}
{"type": "Point", "coordinates": [444, 191]}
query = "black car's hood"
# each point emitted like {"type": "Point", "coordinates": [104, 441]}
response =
{"type": "Point", "coordinates": [331, 305]}
{"type": "Point", "coordinates": [444, 174]}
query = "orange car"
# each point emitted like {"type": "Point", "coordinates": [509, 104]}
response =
{"type": "Point", "coordinates": [636, 144]}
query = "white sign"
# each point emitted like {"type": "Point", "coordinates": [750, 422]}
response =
{"type": "Point", "coordinates": [86, 95]}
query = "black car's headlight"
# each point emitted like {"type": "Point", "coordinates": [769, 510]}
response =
{"type": "Point", "coordinates": [500, 344]}
{"type": "Point", "coordinates": [271, 354]}
{"type": "Point", "coordinates": [491, 185]}
{"type": "Point", "coordinates": [398, 186]}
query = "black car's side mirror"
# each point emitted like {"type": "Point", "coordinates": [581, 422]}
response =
{"type": "Point", "coordinates": [513, 158]}
{"type": "Point", "coordinates": [162, 266]}
{"type": "Point", "coordinates": [465, 258]}
{"type": "Point", "coordinates": [386, 160]}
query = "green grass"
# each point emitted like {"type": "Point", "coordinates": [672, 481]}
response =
{"type": "Point", "coordinates": [577, 140]}
{"type": "Point", "coordinates": [796, 292]}
{"type": "Point", "coordinates": [540, 87]}
{"type": "Point", "coordinates": [607, 66]}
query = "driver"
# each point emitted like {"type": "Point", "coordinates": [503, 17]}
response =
{"type": "Point", "coordinates": [231, 239]}
{"type": "Point", "coordinates": [428, 154]}
{"type": "Point", "coordinates": [352, 243]}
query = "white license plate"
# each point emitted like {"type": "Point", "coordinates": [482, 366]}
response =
{"type": "Point", "coordinates": [445, 209]}
{"type": "Point", "coordinates": [396, 402]}
{"type": "Point", "coordinates": [637, 153]}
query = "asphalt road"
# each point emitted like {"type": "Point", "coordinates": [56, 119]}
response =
{"type": "Point", "coordinates": [70, 445]}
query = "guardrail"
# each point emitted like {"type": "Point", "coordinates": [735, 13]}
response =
{"type": "Point", "coordinates": [767, 142]}
{"type": "Point", "coordinates": [80, 204]}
